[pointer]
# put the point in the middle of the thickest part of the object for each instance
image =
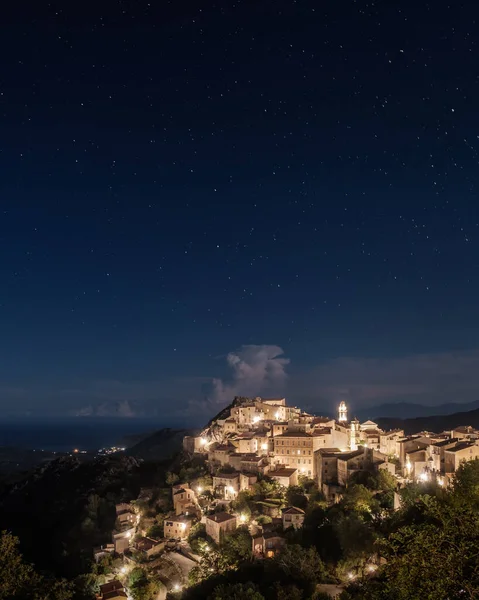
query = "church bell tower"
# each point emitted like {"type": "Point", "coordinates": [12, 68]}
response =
{"type": "Point", "coordinates": [343, 412]}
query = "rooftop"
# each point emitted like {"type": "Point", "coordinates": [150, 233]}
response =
{"type": "Point", "coordinates": [352, 454]}
{"type": "Point", "coordinates": [282, 473]}
{"type": "Point", "coordinates": [111, 586]}
{"type": "Point", "coordinates": [461, 446]}
{"type": "Point", "coordinates": [226, 476]}
{"type": "Point", "coordinates": [445, 442]}
{"type": "Point", "coordinates": [221, 517]}
{"type": "Point", "coordinates": [293, 434]}
{"type": "Point", "coordinates": [292, 510]}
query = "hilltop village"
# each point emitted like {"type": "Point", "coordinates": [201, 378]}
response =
{"type": "Point", "coordinates": [253, 473]}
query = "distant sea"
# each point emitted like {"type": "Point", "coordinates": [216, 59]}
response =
{"type": "Point", "coordinates": [63, 435]}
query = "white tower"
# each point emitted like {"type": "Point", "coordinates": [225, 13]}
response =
{"type": "Point", "coordinates": [343, 412]}
{"type": "Point", "coordinates": [354, 435]}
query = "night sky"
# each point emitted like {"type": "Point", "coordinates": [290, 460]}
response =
{"type": "Point", "coordinates": [270, 197]}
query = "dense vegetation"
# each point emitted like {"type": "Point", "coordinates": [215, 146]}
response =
{"type": "Point", "coordinates": [427, 550]}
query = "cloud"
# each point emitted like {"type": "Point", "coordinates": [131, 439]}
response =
{"type": "Point", "coordinates": [429, 379]}
{"type": "Point", "coordinates": [254, 369]}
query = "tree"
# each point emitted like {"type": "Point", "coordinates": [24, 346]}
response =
{"type": "Point", "coordinates": [171, 478]}
{"type": "Point", "coordinates": [466, 481]}
{"type": "Point", "coordinates": [356, 538]}
{"type": "Point", "coordinates": [236, 546]}
{"type": "Point", "coordinates": [20, 580]}
{"type": "Point", "coordinates": [295, 497]}
{"type": "Point", "coordinates": [358, 498]}
{"type": "Point", "coordinates": [302, 566]}
{"type": "Point", "coordinates": [238, 591]}
{"type": "Point", "coordinates": [435, 558]}
{"type": "Point", "coordinates": [141, 588]}
{"type": "Point", "coordinates": [15, 575]}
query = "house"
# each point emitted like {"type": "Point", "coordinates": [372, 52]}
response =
{"type": "Point", "coordinates": [184, 497]}
{"type": "Point", "coordinates": [121, 539]}
{"type": "Point", "coordinates": [220, 524]}
{"type": "Point", "coordinates": [267, 544]}
{"type": "Point", "coordinates": [220, 453]}
{"type": "Point", "coordinates": [176, 527]}
{"type": "Point", "coordinates": [285, 477]}
{"type": "Point", "coordinates": [463, 451]}
{"type": "Point", "coordinates": [352, 462]}
{"type": "Point", "coordinates": [247, 442]}
{"type": "Point", "coordinates": [125, 514]}
{"type": "Point", "coordinates": [247, 480]}
{"type": "Point", "coordinates": [388, 441]}
{"type": "Point", "coordinates": [295, 449]}
{"type": "Point", "coordinates": [227, 484]}
{"type": "Point", "coordinates": [254, 464]}
{"type": "Point", "coordinates": [229, 426]}
{"type": "Point", "coordinates": [149, 546]}
{"type": "Point", "coordinates": [327, 466]}
{"type": "Point", "coordinates": [102, 551]}
{"type": "Point", "coordinates": [293, 517]}
{"type": "Point", "coordinates": [112, 590]}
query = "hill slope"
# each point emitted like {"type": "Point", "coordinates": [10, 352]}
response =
{"type": "Point", "coordinates": [435, 423]}
{"type": "Point", "coordinates": [160, 445]}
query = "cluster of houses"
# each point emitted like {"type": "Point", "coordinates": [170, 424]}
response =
{"type": "Point", "coordinates": [264, 437]}
{"type": "Point", "coordinates": [261, 436]}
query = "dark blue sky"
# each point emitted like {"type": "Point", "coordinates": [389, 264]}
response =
{"type": "Point", "coordinates": [181, 181]}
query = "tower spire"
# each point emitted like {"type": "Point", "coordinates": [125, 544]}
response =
{"type": "Point", "coordinates": [343, 412]}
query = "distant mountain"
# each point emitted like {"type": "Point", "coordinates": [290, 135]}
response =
{"type": "Point", "coordinates": [436, 423]}
{"type": "Point", "coordinates": [160, 445]}
{"type": "Point", "coordinates": [400, 409]}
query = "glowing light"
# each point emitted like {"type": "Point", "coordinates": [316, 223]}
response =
{"type": "Point", "coordinates": [128, 534]}
{"type": "Point", "coordinates": [183, 526]}
{"type": "Point", "coordinates": [351, 576]}
{"type": "Point", "coordinates": [207, 548]}
{"type": "Point", "coordinates": [424, 477]}
{"type": "Point", "coordinates": [243, 518]}
{"type": "Point", "coordinates": [440, 481]}
{"type": "Point", "coordinates": [299, 451]}
{"type": "Point", "coordinates": [277, 415]}
{"type": "Point", "coordinates": [123, 570]}
{"type": "Point", "coordinates": [231, 490]}
{"type": "Point", "coordinates": [372, 568]}
{"type": "Point", "coordinates": [203, 441]}
{"type": "Point", "coordinates": [75, 451]}
{"type": "Point", "coordinates": [176, 587]}
{"type": "Point", "coordinates": [264, 446]}
{"type": "Point", "coordinates": [256, 419]}
{"type": "Point", "coordinates": [199, 489]}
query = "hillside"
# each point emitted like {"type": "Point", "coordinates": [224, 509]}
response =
{"type": "Point", "coordinates": [62, 510]}
{"type": "Point", "coordinates": [435, 423]}
{"type": "Point", "coordinates": [160, 445]}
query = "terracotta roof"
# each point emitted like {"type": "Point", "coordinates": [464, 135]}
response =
{"type": "Point", "coordinates": [292, 510]}
{"type": "Point", "coordinates": [461, 446]}
{"type": "Point", "coordinates": [282, 473]}
{"type": "Point", "coordinates": [349, 455]}
{"type": "Point", "coordinates": [322, 419]}
{"type": "Point", "coordinates": [221, 517]}
{"type": "Point", "coordinates": [445, 442]}
{"type": "Point", "coordinates": [111, 586]}
{"type": "Point", "coordinates": [226, 476]}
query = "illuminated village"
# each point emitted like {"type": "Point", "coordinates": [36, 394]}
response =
{"type": "Point", "coordinates": [264, 443]}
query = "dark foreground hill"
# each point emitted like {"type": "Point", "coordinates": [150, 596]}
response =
{"type": "Point", "coordinates": [60, 511]}
{"type": "Point", "coordinates": [436, 423]}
